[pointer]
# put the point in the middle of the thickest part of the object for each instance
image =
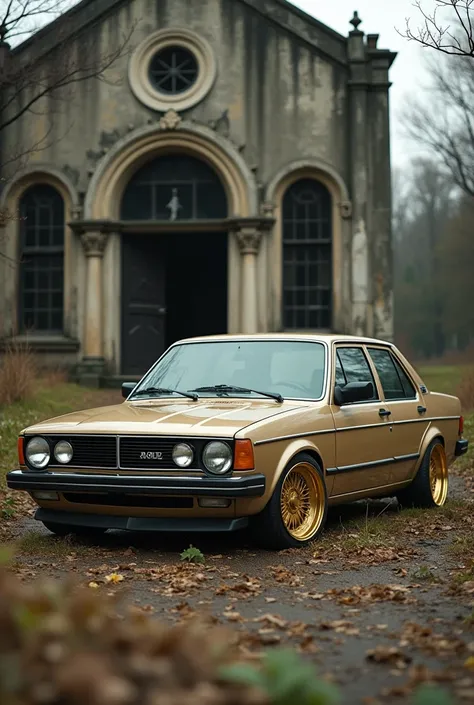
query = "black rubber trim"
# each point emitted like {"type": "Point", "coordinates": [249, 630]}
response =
{"type": "Point", "coordinates": [372, 464]}
{"type": "Point", "coordinates": [252, 486]}
{"type": "Point", "coordinates": [102, 521]}
{"type": "Point", "coordinates": [461, 447]}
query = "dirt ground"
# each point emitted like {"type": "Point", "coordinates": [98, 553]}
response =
{"type": "Point", "coordinates": [383, 602]}
{"type": "Point", "coordinates": [377, 613]}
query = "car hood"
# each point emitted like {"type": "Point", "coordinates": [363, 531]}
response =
{"type": "Point", "coordinates": [223, 417]}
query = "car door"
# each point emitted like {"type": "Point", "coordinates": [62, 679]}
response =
{"type": "Point", "coordinates": [363, 434]}
{"type": "Point", "coordinates": [408, 414]}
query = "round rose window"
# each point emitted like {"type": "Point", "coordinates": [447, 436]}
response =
{"type": "Point", "coordinates": [173, 70]}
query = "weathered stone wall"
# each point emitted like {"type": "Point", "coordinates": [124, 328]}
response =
{"type": "Point", "coordinates": [274, 96]}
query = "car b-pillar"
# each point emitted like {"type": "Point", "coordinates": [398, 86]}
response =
{"type": "Point", "coordinates": [92, 365]}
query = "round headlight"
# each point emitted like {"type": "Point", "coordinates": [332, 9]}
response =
{"type": "Point", "coordinates": [37, 452]}
{"type": "Point", "coordinates": [63, 452]}
{"type": "Point", "coordinates": [217, 457]}
{"type": "Point", "coordinates": [183, 455]}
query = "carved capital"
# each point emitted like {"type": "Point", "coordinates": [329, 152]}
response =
{"type": "Point", "coordinates": [170, 120]}
{"type": "Point", "coordinates": [346, 209]}
{"type": "Point", "coordinates": [249, 240]}
{"type": "Point", "coordinates": [94, 243]}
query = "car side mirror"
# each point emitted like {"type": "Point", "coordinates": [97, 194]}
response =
{"type": "Point", "coordinates": [353, 392]}
{"type": "Point", "coordinates": [127, 388]}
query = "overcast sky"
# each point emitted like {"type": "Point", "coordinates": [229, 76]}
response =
{"type": "Point", "coordinates": [383, 17]}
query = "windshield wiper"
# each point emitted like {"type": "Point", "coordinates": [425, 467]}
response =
{"type": "Point", "coordinates": [162, 390]}
{"type": "Point", "coordinates": [226, 388]}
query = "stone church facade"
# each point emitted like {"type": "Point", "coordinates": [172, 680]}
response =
{"type": "Point", "coordinates": [232, 176]}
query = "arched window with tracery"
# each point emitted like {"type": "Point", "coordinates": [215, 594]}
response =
{"type": "Point", "coordinates": [174, 187]}
{"type": "Point", "coordinates": [41, 283]}
{"type": "Point", "coordinates": [307, 256]}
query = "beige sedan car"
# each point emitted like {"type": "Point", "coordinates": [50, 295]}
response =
{"type": "Point", "coordinates": [227, 431]}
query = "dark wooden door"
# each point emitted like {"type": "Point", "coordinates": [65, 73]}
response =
{"type": "Point", "coordinates": [143, 302]}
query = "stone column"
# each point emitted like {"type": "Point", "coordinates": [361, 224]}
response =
{"type": "Point", "coordinates": [92, 365]}
{"type": "Point", "coordinates": [381, 196]}
{"type": "Point", "coordinates": [359, 147]}
{"type": "Point", "coordinates": [249, 239]}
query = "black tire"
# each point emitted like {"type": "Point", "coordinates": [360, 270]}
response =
{"type": "Point", "coordinates": [66, 529]}
{"type": "Point", "coordinates": [429, 487]}
{"type": "Point", "coordinates": [269, 529]}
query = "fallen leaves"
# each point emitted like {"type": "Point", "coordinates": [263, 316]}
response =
{"type": "Point", "coordinates": [431, 642]}
{"type": "Point", "coordinates": [391, 655]}
{"type": "Point", "coordinates": [283, 575]}
{"type": "Point", "coordinates": [372, 593]}
{"type": "Point", "coordinates": [340, 626]}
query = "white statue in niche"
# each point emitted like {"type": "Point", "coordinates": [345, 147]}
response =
{"type": "Point", "coordinates": [174, 205]}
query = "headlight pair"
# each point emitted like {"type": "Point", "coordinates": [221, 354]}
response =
{"type": "Point", "coordinates": [216, 457]}
{"type": "Point", "coordinates": [38, 452]}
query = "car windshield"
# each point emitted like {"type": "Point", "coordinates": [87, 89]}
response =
{"type": "Point", "coordinates": [292, 369]}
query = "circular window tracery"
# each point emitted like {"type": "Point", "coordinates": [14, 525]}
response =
{"type": "Point", "coordinates": [172, 69]}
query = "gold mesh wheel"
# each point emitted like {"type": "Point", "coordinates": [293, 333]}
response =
{"type": "Point", "coordinates": [302, 502]}
{"type": "Point", "coordinates": [438, 475]}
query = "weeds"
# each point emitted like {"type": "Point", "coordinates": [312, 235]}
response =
{"type": "Point", "coordinates": [18, 373]}
{"type": "Point", "coordinates": [192, 555]}
{"type": "Point", "coordinates": [465, 391]}
{"type": "Point", "coordinates": [8, 508]}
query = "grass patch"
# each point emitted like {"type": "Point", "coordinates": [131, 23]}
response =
{"type": "Point", "coordinates": [46, 402]}
{"type": "Point", "coordinates": [36, 543]}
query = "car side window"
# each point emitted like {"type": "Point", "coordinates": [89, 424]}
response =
{"type": "Point", "coordinates": [395, 383]}
{"type": "Point", "coordinates": [408, 388]}
{"type": "Point", "coordinates": [355, 367]}
{"type": "Point", "coordinates": [340, 378]}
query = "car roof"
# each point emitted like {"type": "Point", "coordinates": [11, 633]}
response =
{"type": "Point", "coordinates": [316, 337]}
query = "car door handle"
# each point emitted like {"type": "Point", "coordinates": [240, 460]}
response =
{"type": "Point", "coordinates": [421, 409]}
{"type": "Point", "coordinates": [384, 412]}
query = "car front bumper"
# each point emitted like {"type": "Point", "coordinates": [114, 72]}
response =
{"type": "Point", "coordinates": [130, 523]}
{"type": "Point", "coordinates": [461, 447]}
{"type": "Point", "coordinates": [250, 486]}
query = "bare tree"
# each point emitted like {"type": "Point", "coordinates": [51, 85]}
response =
{"type": "Point", "coordinates": [436, 28]}
{"type": "Point", "coordinates": [442, 120]}
{"type": "Point", "coordinates": [50, 69]}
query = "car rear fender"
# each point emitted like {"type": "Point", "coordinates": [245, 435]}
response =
{"type": "Point", "coordinates": [301, 445]}
{"type": "Point", "coordinates": [431, 433]}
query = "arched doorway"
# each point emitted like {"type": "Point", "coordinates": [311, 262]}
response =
{"type": "Point", "coordinates": [307, 256]}
{"type": "Point", "coordinates": [174, 257]}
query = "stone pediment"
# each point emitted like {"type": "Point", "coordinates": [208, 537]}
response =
{"type": "Point", "coordinates": [281, 13]}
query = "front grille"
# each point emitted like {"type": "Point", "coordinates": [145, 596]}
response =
{"type": "Point", "coordinates": [100, 452]}
{"type": "Point", "coordinates": [133, 449]}
{"type": "Point", "coordinates": [123, 500]}
{"type": "Point", "coordinates": [89, 451]}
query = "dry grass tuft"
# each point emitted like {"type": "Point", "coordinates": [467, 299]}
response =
{"type": "Point", "coordinates": [465, 391]}
{"type": "Point", "coordinates": [18, 373]}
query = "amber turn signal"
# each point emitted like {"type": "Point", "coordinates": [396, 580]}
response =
{"type": "Point", "coordinates": [243, 459]}
{"type": "Point", "coordinates": [21, 450]}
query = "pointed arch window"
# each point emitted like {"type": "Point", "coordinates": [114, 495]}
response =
{"type": "Point", "coordinates": [307, 256]}
{"type": "Point", "coordinates": [41, 295]}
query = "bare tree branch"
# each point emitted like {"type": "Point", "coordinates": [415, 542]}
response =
{"type": "Point", "coordinates": [435, 31]}
{"type": "Point", "coordinates": [442, 120]}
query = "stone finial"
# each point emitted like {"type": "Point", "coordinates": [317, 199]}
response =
{"type": "Point", "coordinates": [355, 21]}
{"type": "Point", "coordinates": [249, 240]}
{"type": "Point", "coordinates": [170, 120]}
{"type": "Point", "coordinates": [94, 243]}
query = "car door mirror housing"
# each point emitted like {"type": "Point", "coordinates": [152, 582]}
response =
{"type": "Point", "coordinates": [353, 392]}
{"type": "Point", "coordinates": [127, 388]}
